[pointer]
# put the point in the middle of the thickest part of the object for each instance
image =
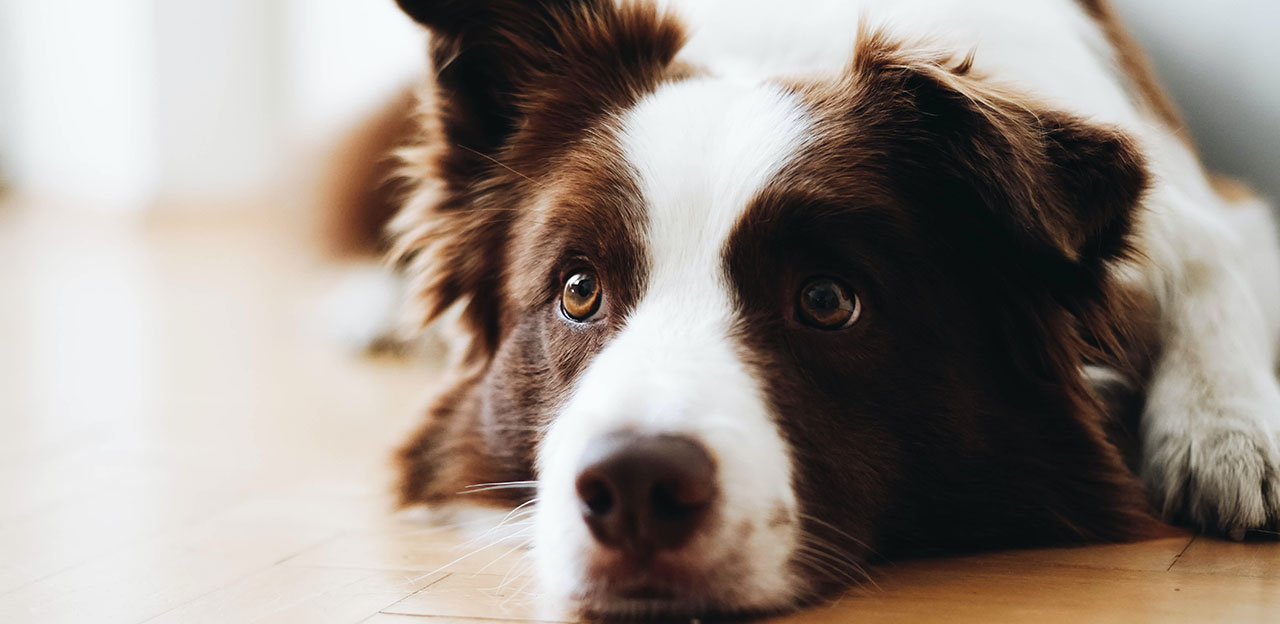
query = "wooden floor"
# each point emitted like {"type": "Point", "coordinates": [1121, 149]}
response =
{"type": "Point", "coordinates": [178, 445]}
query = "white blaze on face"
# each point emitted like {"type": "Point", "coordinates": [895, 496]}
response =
{"type": "Point", "coordinates": [701, 150]}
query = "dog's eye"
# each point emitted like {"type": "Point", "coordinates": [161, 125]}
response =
{"type": "Point", "coordinates": [581, 297]}
{"type": "Point", "coordinates": [827, 304]}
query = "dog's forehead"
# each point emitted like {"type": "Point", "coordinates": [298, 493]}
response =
{"type": "Point", "coordinates": [701, 150]}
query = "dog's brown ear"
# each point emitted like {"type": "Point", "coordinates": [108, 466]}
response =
{"type": "Point", "coordinates": [545, 67]}
{"type": "Point", "coordinates": [456, 449]}
{"type": "Point", "coordinates": [1032, 204]}
{"type": "Point", "coordinates": [515, 82]}
{"type": "Point", "coordinates": [1064, 189]}
{"type": "Point", "coordinates": [481, 50]}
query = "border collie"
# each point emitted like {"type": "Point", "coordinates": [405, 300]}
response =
{"type": "Point", "coordinates": [757, 292]}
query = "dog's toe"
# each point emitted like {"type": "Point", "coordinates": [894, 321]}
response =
{"type": "Point", "coordinates": [1224, 479]}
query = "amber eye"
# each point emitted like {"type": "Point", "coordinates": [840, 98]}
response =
{"type": "Point", "coordinates": [827, 304]}
{"type": "Point", "coordinates": [581, 297]}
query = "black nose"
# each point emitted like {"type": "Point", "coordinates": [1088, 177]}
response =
{"type": "Point", "coordinates": [643, 494]}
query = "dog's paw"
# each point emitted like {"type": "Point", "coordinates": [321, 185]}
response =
{"type": "Point", "coordinates": [1220, 473]}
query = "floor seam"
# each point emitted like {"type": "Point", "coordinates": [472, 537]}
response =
{"type": "Point", "coordinates": [1178, 557]}
{"type": "Point", "coordinates": [415, 593]}
{"type": "Point", "coordinates": [222, 586]}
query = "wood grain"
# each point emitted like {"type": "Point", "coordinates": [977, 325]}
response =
{"type": "Point", "coordinates": [179, 444]}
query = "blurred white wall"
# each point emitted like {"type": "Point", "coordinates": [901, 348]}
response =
{"type": "Point", "coordinates": [129, 104]}
{"type": "Point", "coordinates": [1221, 61]}
{"type": "Point", "coordinates": [345, 56]}
{"type": "Point", "coordinates": [219, 94]}
{"type": "Point", "coordinates": [125, 104]}
{"type": "Point", "coordinates": [77, 97]}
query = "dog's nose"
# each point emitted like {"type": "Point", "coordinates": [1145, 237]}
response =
{"type": "Point", "coordinates": [645, 493]}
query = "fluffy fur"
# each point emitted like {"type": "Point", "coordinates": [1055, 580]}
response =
{"type": "Point", "coordinates": [1058, 308]}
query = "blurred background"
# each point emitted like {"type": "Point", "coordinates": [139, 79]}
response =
{"type": "Point", "coordinates": [136, 105]}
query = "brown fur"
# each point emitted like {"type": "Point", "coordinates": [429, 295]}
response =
{"type": "Point", "coordinates": [1136, 67]}
{"type": "Point", "coordinates": [497, 128]}
{"type": "Point", "coordinates": [1231, 190]}
{"type": "Point", "coordinates": [508, 99]}
{"type": "Point", "coordinates": [943, 188]}
{"type": "Point", "coordinates": [359, 193]}
{"type": "Point", "coordinates": [487, 428]}
{"type": "Point", "coordinates": [978, 226]}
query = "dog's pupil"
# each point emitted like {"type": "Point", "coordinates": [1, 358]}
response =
{"type": "Point", "coordinates": [582, 285]}
{"type": "Point", "coordinates": [826, 304]}
{"type": "Point", "coordinates": [823, 298]}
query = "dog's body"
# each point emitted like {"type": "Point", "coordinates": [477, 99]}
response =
{"type": "Point", "coordinates": [756, 291]}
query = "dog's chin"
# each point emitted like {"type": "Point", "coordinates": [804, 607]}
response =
{"type": "Point", "coordinates": [664, 611]}
{"type": "Point", "coordinates": [668, 591]}
{"type": "Point", "coordinates": [664, 604]}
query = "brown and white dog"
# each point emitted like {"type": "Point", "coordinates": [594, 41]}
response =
{"type": "Point", "coordinates": [759, 291]}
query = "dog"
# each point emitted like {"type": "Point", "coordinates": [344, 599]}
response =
{"type": "Point", "coordinates": [756, 293]}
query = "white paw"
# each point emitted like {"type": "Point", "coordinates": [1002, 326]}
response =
{"type": "Point", "coordinates": [1218, 469]}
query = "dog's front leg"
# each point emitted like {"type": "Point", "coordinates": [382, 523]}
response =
{"type": "Point", "coordinates": [1211, 428]}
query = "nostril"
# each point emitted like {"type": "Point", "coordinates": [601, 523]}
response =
{"type": "Point", "coordinates": [664, 502]}
{"type": "Point", "coordinates": [595, 495]}
{"type": "Point", "coordinates": [676, 499]}
{"type": "Point", "coordinates": [643, 494]}
{"type": "Point", "coordinates": [602, 508]}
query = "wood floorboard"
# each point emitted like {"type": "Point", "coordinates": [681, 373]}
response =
{"type": "Point", "coordinates": [180, 445]}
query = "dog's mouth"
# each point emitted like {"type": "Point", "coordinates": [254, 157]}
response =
{"type": "Point", "coordinates": [671, 609]}
{"type": "Point", "coordinates": [623, 585]}
{"type": "Point", "coordinates": [668, 590]}
{"type": "Point", "coordinates": [659, 605]}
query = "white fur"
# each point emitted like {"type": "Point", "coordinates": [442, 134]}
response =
{"type": "Point", "coordinates": [1213, 416]}
{"type": "Point", "coordinates": [1047, 47]}
{"type": "Point", "coordinates": [700, 149]}
{"type": "Point", "coordinates": [1211, 430]}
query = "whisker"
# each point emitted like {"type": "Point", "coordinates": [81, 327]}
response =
{"type": "Point", "coordinates": [817, 546]}
{"type": "Point", "coordinates": [499, 163]}
{"type": "Point", "coordinates": [514, 572]}
{"type": "Point", "coordinates": [513, 517]}
{"type": "Point", "coordinates": [522, 545]}
{"type": "Point", "coordinates": [519, 592]}
{"type": "Point", "coordinates": [517, 509]}
{"type": "Point", "coordinates": [832, 558]}
{"type": "Point", "coordinates": [456, 525]}
{"type": "Point", "coordinates": [811, 539]}
{"type": "Point", "coordinates": [827, 569]}
{"type": "Point", "coordinates": [838, 531]}
{"type": "Point", "coordinates": [505, 485]}
{"type": "Point", "coordinates": [517, 515]}
{"type": "Point", "coordinates": [456, 561]}
{"type": "Point", "coordinates": [525, 482]}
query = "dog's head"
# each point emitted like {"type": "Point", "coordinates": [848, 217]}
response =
{"type": "Point", "coordinates": [745, 333]}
